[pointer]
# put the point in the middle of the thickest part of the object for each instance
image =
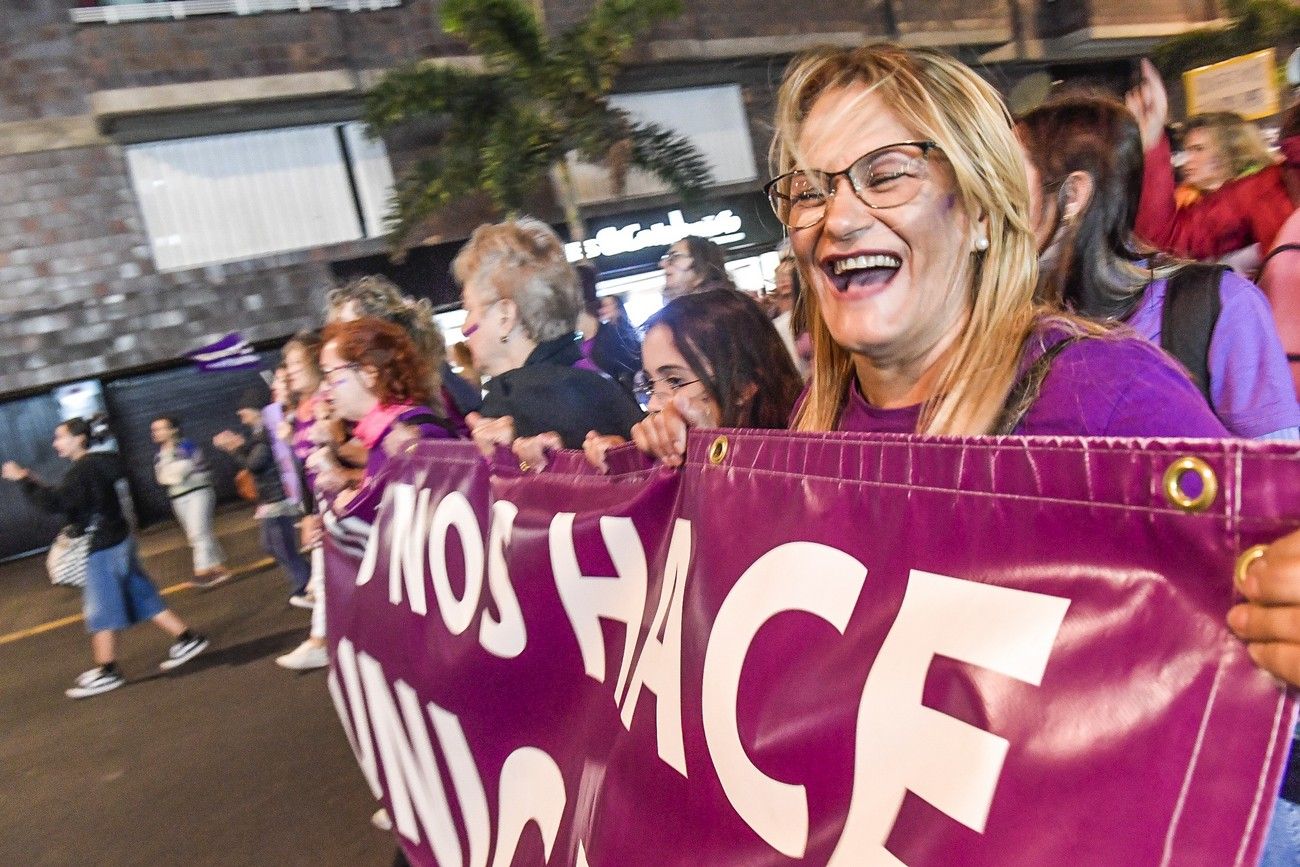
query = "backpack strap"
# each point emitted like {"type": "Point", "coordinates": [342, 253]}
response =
{"type": "Point", "coordinates": [1280, 248]}
{"type": "Point", "coordinates": [1024, 393]}
{"type": "Point", "coordinates": [1187, 319]}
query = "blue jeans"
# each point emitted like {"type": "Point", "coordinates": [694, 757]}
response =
{"type": "Point", "coordinates": [280, 539]}
{"type": "Point", "coordinates": [118, 593]}
{"type": "Point", "coordinates": [1282, 846]}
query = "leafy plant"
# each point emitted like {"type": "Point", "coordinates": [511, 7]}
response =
{"type": "Point", "coordinates": [508, 128]}
{"type": "Point", "coordinates": [1256, 25]}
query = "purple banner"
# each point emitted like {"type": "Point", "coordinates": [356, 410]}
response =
{"type": "Point", "coordinates": [231, 352]}
{"type": "Point", "coordinates": [839, 650]}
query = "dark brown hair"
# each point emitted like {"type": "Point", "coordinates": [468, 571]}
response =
{"type": "Point", "coordinates": [733, 348]}
{"type": "Point", "coordinates": [1098, 136]}
{"type": "Point", "coordinates": [708, 262]}
{"type": "Point", "coordinates": [400, 372]}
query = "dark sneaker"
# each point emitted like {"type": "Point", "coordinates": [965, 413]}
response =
{"type": "Point", "coordinates": [94, 682]}
{"type": "Point", "coordinates": [210, 579]}
{"type": "Point", "coordinates": [183, 651]}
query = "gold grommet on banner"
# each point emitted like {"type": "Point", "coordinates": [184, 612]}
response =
{"type": "Point", "coordinates": [718, 451]}
{"type": "Point", "coordinates": [1174, 484]}
{"type": "Point", "coordinates": [1244, 559]}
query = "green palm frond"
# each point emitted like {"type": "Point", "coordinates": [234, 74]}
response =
{"type": "Point", "coordinates": [429, 186]}
{"type": "Point", "coordinates": [429, 91]}
{"type": "Point", "coordinates": [503, 130]}
{"type": "Point", "coordinates": [596, 48]}
{"type": "Point", "coordinates": [505, 32]}
{"type": "Point", "coordinates": [671, 158]}
{"type": "Point", "coordinates": [1256, 25]}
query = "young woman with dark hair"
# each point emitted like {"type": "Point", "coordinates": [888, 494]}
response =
{"type": "Point", "coordinates": [118, 592]}
{"type": "Point", "coordinates": [1084, 158]}
{"type": "Point", "coordinates": [719, 359]}
{"type": "Point", "coordinates": [694, 264]}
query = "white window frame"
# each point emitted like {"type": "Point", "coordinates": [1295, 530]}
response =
{"type": "Point", "coordinates": [144, 10]}
{"type": "Point", "coordinates": [241, 196]}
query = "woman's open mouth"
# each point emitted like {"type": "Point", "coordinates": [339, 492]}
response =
{"type": "Point", "coordinates": [866, 271]}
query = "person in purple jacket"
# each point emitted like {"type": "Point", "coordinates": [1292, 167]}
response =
{"type": "Point", "coordinates": [376, 377]}
{"type": "Point", "coordinates": [1084, 159]}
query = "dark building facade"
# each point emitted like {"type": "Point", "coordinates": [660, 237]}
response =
{"type": "Point", "coordinates": [113, 262]}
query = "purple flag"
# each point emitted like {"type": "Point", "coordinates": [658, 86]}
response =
{"type": "Point", "coordinates": [231, 352]}
{"type": "Point", "coordinates": [839, 649]}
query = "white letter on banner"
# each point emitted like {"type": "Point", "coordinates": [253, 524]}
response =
{"type": "Point", "coordinates": [455, 511]}
{"type": "Point", "coordinates": [586, 599]}
{"type": "Point", "coordinates": [827, 585]}
{"type": "Point", "coordinates": [506, 637]}
{"type": "Point", "coordinates": [531, 790]}
{"type": "Point", "coordinates": [352, 713]}
{"type": "Point", "coordinates": [366, 570]}
{"type": "Point", "coordinates": [467, 782]}
{"type": "Point", "coordinates": [406, 546]}
{"type": "Point", "coordinates": [901, 744]}
{"type": "Point", "coordinates": [409, 766]}
{"type": "Point", "coordinates": [659, 667]}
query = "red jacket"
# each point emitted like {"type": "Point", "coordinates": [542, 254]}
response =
{"type": "Point", "coordinates": [1242, 212]}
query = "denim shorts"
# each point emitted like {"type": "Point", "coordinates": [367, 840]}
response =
{"type": "Point", "coordinates": [117, 592]}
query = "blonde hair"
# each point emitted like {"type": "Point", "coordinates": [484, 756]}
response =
{"type": "Point", "coordinates": [1240, 146]}
{"type": "Point", "coordinates": [939, 99]}
{"type": "Point", "coordinates": [523, 261]}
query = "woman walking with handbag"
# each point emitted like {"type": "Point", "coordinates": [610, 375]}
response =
{"type": "Point", "coordinates": [182, 469]}
{"type": "Point", "coordinates": [118, 593]}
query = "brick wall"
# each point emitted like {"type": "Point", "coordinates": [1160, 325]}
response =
{"type": "Point", "coordinates": [79, 296]}
{"type": "Point", "coordinates": [204, 48]}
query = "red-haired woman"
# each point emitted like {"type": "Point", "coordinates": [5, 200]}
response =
{"type": "Point", "coordinates": [374, 375]}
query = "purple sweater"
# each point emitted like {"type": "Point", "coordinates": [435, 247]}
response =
{"type": "Point", "coordinates": [1250, 381]}
{"type": "Point", "coordinates": [1116, 385]}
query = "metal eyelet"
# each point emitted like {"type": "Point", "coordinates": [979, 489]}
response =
{"type": "Point", "coordinates": [718, 450]}
{"type": "Point", "coordinates": [1174, 490]}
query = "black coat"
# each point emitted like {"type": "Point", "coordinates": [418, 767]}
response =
{"type": "Point", "coordinates": [549, 394]}
{"type": "Point", "coordinates": [255, 455]}
{"type": "Point", "coordinates": [87, 497]}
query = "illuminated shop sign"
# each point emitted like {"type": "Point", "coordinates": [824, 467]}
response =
{"type": "Point", "coordinates": [723, 228]}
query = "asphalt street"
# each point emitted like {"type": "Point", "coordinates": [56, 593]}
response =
{"type": "Point", "coordinates": [228, 760]}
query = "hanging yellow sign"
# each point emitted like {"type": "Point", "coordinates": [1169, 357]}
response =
{"type": "Point", "coordinates": [1245, 84]}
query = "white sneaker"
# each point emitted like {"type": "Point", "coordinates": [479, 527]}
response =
{"type": "Point", "coordinates": [305, 657]}
{"type": "Point", "coordinates": [94, 682]}
{"type": "Point", "coordinates": [182, 652]}
{"type": "Point", "coordinates": [303, 600]}
{"type": "Point", "coordinates": [381, 821]}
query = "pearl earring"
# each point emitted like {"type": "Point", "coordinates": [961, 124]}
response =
{"type": "Point", "coordinates": [981, 243]}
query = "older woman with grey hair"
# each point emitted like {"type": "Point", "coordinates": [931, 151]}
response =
{"type": "Point", "coordinates": [522, 299]}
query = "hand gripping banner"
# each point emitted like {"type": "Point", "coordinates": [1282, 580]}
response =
{"type": "Point", "coordinates": [842, 650]}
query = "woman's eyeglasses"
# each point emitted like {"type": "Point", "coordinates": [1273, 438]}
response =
{"type": "Point", "coordinates": [327, 373]}
{"type": "Point", "coordinates": [675, 256]}
{"type": "Point", "coordinates": [883, 178]}
{"type": "Point", "coordinates": [467, 330]}
{"type": "Point", "coordinates": [645, 387]}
